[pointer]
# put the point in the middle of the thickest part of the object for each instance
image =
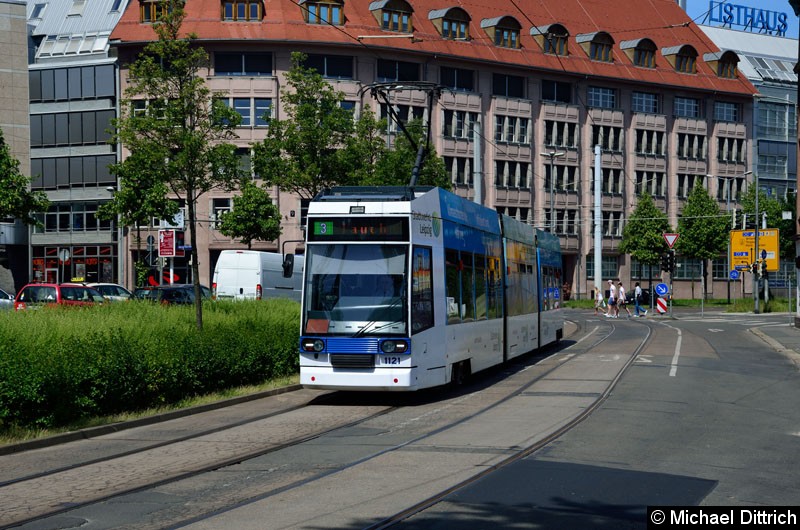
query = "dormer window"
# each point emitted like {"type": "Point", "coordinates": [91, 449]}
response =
{"type": "Point", "coordinates": [330, 12]}
{"type": "Point", "coordinates": [152, 10]}
{"type": "Point", "coordinates": [552, 38]}
{"type": "Point", "coordinates": [504, 31]}
{"type": "Point", "coordinates": [682, 58]}
{"type": "Point", "coordinates": [452, 23]}
{"type": "Point", "coordinates": [38, 10]}
{"type": "Point", "coordinates": [242, 10]}
{"type": "Point", "coordinates": [77, 8]}
{"type": "Point", "coordinates": [641, 52]}
{"type": "Point", "coordinates": [723, 63]}
{"type": "Point", "coordinates": [598, 46]}
{"type": "Point", "coordinates": [393, 15]}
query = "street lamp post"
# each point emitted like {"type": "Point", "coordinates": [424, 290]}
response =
{"type": "Point", "coordinates": [552, 155]}
{"type": "Point", "coordinates": [755, 258]}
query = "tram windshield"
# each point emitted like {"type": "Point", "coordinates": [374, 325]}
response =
{"type": "Point", "coordinates": [356, 289]}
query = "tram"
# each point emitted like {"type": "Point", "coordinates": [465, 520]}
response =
{"type": "Point", "coordinates": [408, 288]}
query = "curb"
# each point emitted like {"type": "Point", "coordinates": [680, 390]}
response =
{"type": "Point", "coordinates": [790, 353]}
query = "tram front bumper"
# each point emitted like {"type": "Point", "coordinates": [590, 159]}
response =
{"type": "Point", "coordinates": [392, 379]}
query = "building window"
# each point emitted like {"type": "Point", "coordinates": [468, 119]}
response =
{"type": "Point", "coordinates": [242, 11]}
{"type": "Point", "coordinates": [556, 91]}
{"type": "Point", "coordinates": [242, 64]}
{"type": "Point", "coordinates": [775, 121]}
{"type": "Point", "coordinates": [555, 41]}
{"type": "Point", "coordinates": [612, 181]}
{"type": "Point", "coordinates": [331, 66]}
{"type": "Point", "coordinates": [455, 29]}
{"type": "Point", "coordinates": [458, 124]}
{"type": "Point", "coordinates": [686, 184]}
{"type": "Point", "coordinates": [504, 31]}
{"type": "Point", "coordinates": [323, 12]}
{"type": "Point", "coordinates": [510, 86]}
{"type": "Point", "coordinates": [77, 8]}
{"type": "Point", "coordinates": [254, 111]}
{"type": "Point", "coordinates": [686, 61]}
{"type": "Point", "coordinates": [397, 71]}
{"type": "Point", "coordinates": [687, 268]}
{"type": "Point", "coordinates": [646, 102]}
{"type": "Point", "coordinates": [565, 177]}
{"type": "Point", "coordinates": [460, 170]}
{"type": "Point", "coordinates": [692, 146]}
{"type": "Point", "coordinates": [219, 206]}
{"type": "Point", "coordinates": [509, 174]}
{"type": "Point", "coordinates": [651, 182]}
{"type": "Point", "coordinates": [650, 142]}
{"type": "Point", "coordinates": [725, 111]}
{"type": "Point", "coordinates": [560, 134]}
{"type": "Point", "coordinates": [646, 58]}
{"type": "Point", "coordinates": [393, 15]}
{"type": "Point", "coordinates": [459, 79]}
{"type": "Point", "coordinates": [731, 150]}
{"type": "Point", "coordinates": [511, 129]}
{"type": "Point", "coordinates": [600, 51]}
{"type": "Point", "coordinates": [726, 69]}
{"type": "Point", "coordinates": [404, 113]}
{"type": "Point", "coordinates": [601, 97]}
{"type": "Point", "coordinates": [687, 107]}
{"type": "Point", "coordinates": [609, 267]}
{"type": "Point", "coordinates": [152, 10]}
{"type": "Point", "coordinates": [608, 138]}
{"type": "Point", "coordinates": [38, 11]}
{"type": "Point", "coordinates": [598, 46]}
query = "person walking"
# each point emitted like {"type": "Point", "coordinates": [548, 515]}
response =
{"type": "Point", "coordinates": [599, 301]}
{"type": "Point", "coordinates": [637, 300]}
{"type": "Point", "coordinates": [612, 300]}
{"type": "Point", "coordinates": [622, 299]}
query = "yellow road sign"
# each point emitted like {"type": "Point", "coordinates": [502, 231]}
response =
{"type": "Point", "coordinates": [743, 251]}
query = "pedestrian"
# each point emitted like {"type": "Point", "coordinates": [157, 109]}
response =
{"type": "Point", "coordinates": [637, 300]}
{"type": "Point", "coordinates": [622, 299]}
{"type": "Point", "coordinates": [599, 301]}
{"type": "Point", "coordinates": [612, 300]}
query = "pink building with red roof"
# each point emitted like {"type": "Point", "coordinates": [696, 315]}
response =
{"type": "Point", "coordinates": [545, 81]}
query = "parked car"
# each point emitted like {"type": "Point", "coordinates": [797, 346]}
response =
{"type": "Point", "coordinates": [112, 291]}
{"type": "Point", "coordinates": [35, 295]}
{"type": "Point", "coordinates": [178, 293]}
{"type": "Point", "coordinates": [6, 300]}
{"type": "Point", "coordinates": [645, 300]}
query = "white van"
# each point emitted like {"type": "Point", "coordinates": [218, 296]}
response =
{"type": "Point", "coordinates": [253, 275]}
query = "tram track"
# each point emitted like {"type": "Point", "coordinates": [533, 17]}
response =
{"type": "Point", "coordinates": [41, 495]}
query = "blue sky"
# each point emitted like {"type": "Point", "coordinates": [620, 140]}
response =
{"type": "Point", "coordinates": [698, 9]}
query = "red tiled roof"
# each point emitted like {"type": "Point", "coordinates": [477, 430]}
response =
{"type": "Point", "coordinates": [663, 21]}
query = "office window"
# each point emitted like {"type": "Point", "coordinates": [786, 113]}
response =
{"type": "Point", "coordinates": [725, 111]}
{"type": "Point", "coordinates": [511, 86]}
{"type": "Point", "coordinates": [608, 138]}
{"type": "Point", "coordinates": [263, 111]}
{"type": "Point", "coordinates": [687, 107]}
{"type": "Point", "coordinates": [459, 79]}
{"type": "Point", "coordinates": [646, 102]}
{"type": "Point", "coordinates": [242, 64]}
{"type": "Point", "coordinates": [557, 91]}
{"type": "Point", "coordinates": [331, 66]}
{"type": "Point", "coordinates": [602, 97]}
{"type": "Point", "coordinates": [389, 70]}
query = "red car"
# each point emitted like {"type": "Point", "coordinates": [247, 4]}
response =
{"type": "Point", "coordinates": [72, 294]}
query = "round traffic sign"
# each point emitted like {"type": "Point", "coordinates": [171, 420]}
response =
{"type": "Point", "coordinates": [662, 289]}
{"type": "Point", "coordinates": [734, 275]}
{"type": "Point", "coordinates": [763, 254]}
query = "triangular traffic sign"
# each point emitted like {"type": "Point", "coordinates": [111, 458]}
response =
{"type": "Point", "coordinates": [671, 239]}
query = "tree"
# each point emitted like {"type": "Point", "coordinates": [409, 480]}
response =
{"type": "Point", "coordinates": [16, 198]}
{"type": "Point", "coordinates": [643, 234]}
{"type": "Point", "coordinates": [304, 153]}
{"type": "Point", "coordinates": [253, 216]}
{"type": "Point", "coordinates": [704, 230]}
{"type": "Point", "coordinates": [139, 198]}
{"type": "Point", "coordinates": [185, 131]}
{"type": "Point", "coordinates": [395, 166]}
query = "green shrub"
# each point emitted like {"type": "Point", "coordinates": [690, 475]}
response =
{"type": "Point", "coordinates": [60, 365]}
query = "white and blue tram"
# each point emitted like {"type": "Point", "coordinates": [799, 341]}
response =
{"type": "Point", "coordinates": [410, 288]}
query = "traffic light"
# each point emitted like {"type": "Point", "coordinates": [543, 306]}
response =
{"type": "Point", "coordinates": [672, 262]}
{"type": "Point", "coordinates": [763, 267]}
{"type": "Point", "coordinates": [665, 262]}
{"type": "Point", "coordinates": [753, 267]}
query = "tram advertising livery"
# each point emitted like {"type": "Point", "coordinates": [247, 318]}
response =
{"type": "Point", "coordinates": [410, 288]}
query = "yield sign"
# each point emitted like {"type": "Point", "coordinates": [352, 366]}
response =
{"type": "Point", "coordinates": [671, 239]}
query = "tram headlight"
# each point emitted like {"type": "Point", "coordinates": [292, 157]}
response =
{"type": "Point", "coordinates": [394, 346]}
{"type": "Point", "coordinates": [313, 345]}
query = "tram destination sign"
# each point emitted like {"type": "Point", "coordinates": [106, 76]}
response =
{"type": "Point", "coordinates": [359, 228]}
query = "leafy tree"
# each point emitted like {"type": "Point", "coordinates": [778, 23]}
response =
{"type": "Point", "coordinates": [253, 216]}
{"type": "Point", "coordinates": [704, 229]}
{"type": "Point", "coordinates": [303, 154]}
{"type": "Point", "coordinates": [140, 197]}
{"type": "Point", "coordinates": [16, 198]}
{"type": "Point", "coordinates": [184, 133]}
{"type": "Point", "coordinates": [643, 234]}
{"type": "Point", "coordinates": [774, 209]}
{"type": "Point", "coordinates": [395, 166]}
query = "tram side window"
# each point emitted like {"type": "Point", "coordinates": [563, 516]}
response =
{"type": "Point", "coordinates": [514, 290]}
{"type": "Point", "coordinates": [481, 301]}
{"type": "Point", "coordinates": [530, 289]}
{"type": "Point", "coordinates": [453, 287]}
{"type": "Point", "coordinates": [494, 290]}
{"type": "Point", "coordinates": [421, 290]}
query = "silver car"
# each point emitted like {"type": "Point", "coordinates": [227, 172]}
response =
{"type": "Point", "coordinates": [6, 300]}
{"type": "Point", "coordinates": [112, 292]}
